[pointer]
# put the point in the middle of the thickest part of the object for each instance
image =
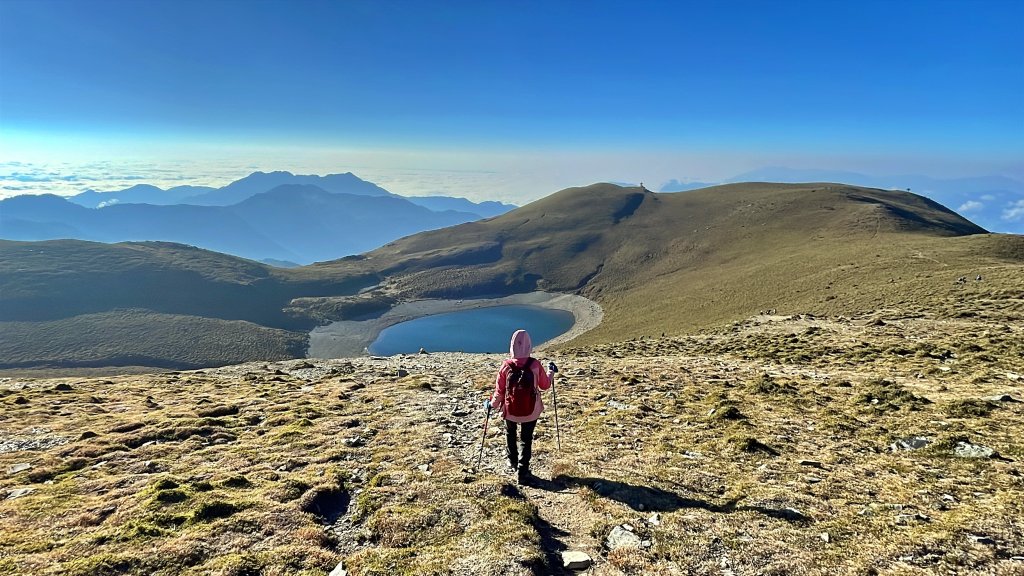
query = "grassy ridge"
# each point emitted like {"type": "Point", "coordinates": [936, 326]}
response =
{"type": "Point", "coordinates": [62, 278]}
{"type": "Point", "coordinates": [142, 338]}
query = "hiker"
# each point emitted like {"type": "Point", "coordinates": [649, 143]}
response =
{"type": "Point", "coordinates": [520, 405]}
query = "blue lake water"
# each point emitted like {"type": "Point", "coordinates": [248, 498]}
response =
{"type": "Point", "coordinates": [481, 330]}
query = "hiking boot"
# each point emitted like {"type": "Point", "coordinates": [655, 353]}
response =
{"type": "Point", "coordinates": [524, 477]}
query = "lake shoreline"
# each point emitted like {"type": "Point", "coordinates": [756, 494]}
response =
{"type": "Point", "coordinates": [351, 338]}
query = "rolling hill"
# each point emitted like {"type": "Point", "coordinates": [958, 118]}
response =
{"type": "Point", "coordinates": [676, 262]}
{"type": "Point", "coordinates": [657, 263]}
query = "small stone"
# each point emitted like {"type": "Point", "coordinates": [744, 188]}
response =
{"type": "Point", "coordinates": [813, 479]}
{"type": "Point", "coordinates": [811, 463]}
{"type": "Point", "coordinates": [19, 468]}
{"type": "Point", "coordinates": [21, 400]}
{"type": "Point", "coordinates": [63, 387]}
{"type": "Point", "coordinates": [402, 373]}
{"type": "Point", "coordinates": [423, 350]}
{"type": "Point", "coordinates": [985, 540]}
{"type": "Point", "coordinates": [793, 514]}
{"type": "Point", "coordinates": [629, 527]}
{"type": "Point", "coordinates": [424, 467]}
{"type": "Point", "coordinates": [824, 537]}
{"type": "Point", "coordinates": [576, 560]}
{"type": "Point", "coordinates": [911, 443]}
{"type": "Point", "coordinates": [338, 570]}
{"type": "Point", "coordinates": [18, 493]}
{"type": "Point", "coordinates": [622, 538]}
{"type": "Point", "coordinates": [968, 450]}
{"type": "Point", "coordinates": [655, 519]}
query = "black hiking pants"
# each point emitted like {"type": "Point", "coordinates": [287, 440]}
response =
{"type": "Point", "coordinates": [522, 462]}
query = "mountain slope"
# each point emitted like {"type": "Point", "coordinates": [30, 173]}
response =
{"type": "Point", "coordinates": [674, 262]}
{"type": "Point", "coordinates": [138, 194]}
{"type": "Point", "coordinates": [487, 209]}
{"type": "Point", "coordinates": [321, 225]}
{"type": "Point", "coordinates": [259, 182]}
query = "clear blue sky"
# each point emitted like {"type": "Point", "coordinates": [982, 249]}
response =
{"type": "Point", "coordinates": [934, 81]}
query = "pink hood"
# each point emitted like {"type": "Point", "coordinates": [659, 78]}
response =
{"type": "Point", "coordinates": [521, 346]}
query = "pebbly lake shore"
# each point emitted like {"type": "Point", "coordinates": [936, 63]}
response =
{"type": "Point", "coordinates": [349, 338]}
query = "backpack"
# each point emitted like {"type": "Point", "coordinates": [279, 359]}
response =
{"type": "Point", "coordinates": [520, 392]}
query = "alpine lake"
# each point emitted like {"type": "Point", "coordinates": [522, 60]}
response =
{"type": "Point", "coordinates": [478, 330]}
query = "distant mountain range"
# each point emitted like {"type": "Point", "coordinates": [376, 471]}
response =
{"type": "Point", "coordinates": [276, 217]}
{"type": "Point", "coordinates": [994, 202]}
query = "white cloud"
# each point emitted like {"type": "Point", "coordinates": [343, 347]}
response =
{"type": "Point", "coordinates": [1014, 211]}
{"type": "Point", "coordinates": [970, 206]}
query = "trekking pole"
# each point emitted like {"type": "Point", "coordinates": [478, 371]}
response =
{"type": "Point", "coordinates": [483, 438]}
{"type": "Point", "coordinates": [554, 400]}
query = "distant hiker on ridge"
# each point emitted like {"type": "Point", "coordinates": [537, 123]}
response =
{"type": "Point", "coordinates": [517, 398]}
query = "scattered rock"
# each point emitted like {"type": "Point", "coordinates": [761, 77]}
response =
{"type": "Point", "coordinates": [575, 560]}
{"type": "Point", "coordinates": [18, 493]}
{"type": "Point", "coordinates": [824, 537]}
{"type": "Point", "coordinates": [18, 468]}
{"type": "Point", "coordinates": [402, 373]}
{"type": "Point", "coordinates": [339, 570]}
{"type": "Point", "coordinates": [811, 463]}
{"type": "Point", "coordinates": [617, 405]}
{"type": "Point", "coordinates": [21, 400]}
{"type": "Point", "coordinates": [355, 442]}
{"type": "Point", "coordinates": [423, 350]}
{"type": "Point", "coordinates": [1002, 398]}
{"type": "Point", "coordinates": [792, 514]}
{"type": "Point", "coordinates": [813, 479]}
{"type": "Point", "coordinates": [911, 443]}
{"type": "Point", "coordinates": [655, 519]}
{"type": "Point", "coordinates": [622, 538]}
{"type": "Point", "coordinates": [63, 387]}
{"type": "Point", "coordinates": [984, 540]}
{"type": "Point", "coordinates": [968, 450]}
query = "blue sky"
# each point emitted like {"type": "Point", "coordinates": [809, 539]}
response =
{"type": "Point", "coordinates": [573, 92]}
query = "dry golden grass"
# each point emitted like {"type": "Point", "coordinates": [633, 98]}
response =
{"type": "Point", "coordinates": [762, 446]}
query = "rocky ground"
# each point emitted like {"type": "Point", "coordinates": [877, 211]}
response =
{"type": "Point", "coordinates": [887, 443]}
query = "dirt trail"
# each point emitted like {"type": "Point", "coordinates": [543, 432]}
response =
{"type": "Point", "coordinates": [560, 507]}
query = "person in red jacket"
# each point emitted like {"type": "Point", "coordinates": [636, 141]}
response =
{"type": "Point", "coordinates": [519, 405]}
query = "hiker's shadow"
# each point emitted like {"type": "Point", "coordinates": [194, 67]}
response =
{"type": "Point", "coordinates": [649, 499]}
{"type": "Point", "coordinates": [639, 498]}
